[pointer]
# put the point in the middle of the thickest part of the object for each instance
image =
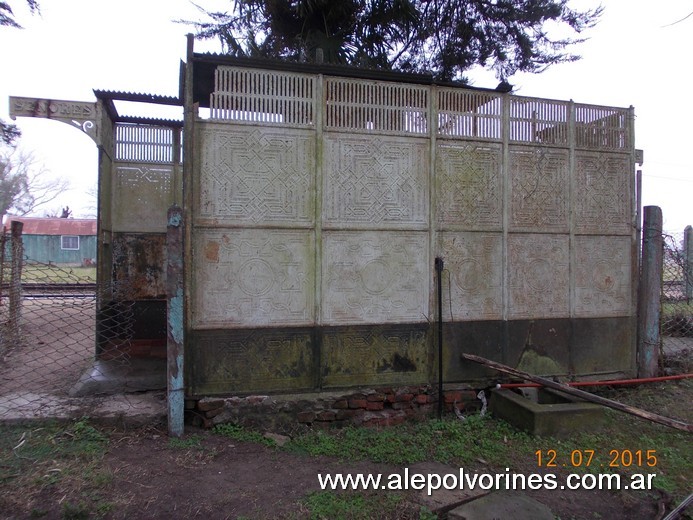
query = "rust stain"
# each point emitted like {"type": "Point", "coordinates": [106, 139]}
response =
{"type": "Point", "coordinates": [212, 251]}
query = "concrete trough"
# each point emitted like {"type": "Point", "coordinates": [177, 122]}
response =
{"type": "Point", "coordinates": [546, 412]}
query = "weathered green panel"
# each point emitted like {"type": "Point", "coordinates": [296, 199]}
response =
{"type": "Point", "coordinates": [250, 361]}
{"type": "Point", "coordinates": [603, 345]}
{"type": "Point", "coordinates": [375, 355]}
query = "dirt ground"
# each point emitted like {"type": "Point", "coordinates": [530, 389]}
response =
{"type": "Point", "coordinates": [142, 475]}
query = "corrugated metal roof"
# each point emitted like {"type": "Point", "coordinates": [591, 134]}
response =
{"type": "Point", "coordinates": [56, 226]}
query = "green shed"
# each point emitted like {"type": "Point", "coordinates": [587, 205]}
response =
{"type": "Point", "coordinates": [64, 241]}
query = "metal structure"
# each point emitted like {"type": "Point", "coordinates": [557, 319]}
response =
{"type": "Point", "coordinates": [315, 201]}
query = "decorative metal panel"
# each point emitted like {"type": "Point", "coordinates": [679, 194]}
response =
{"type": "Point", "coordinates": [603, 198]}
{"type": "Point", "coordinates": [142, 194]}
{"type": "Point", "coordinates": [374, 355]}
{"type": "Point", "coordinates": [602, 276]}
{"type": "Point", "coordinates": [602, 128]}
{"type": "Point", "coordinates": [539, 121]}
{"type": "Point", "coordinates": [260, 96]}
{"type": "Point", "coordinates": [251, 176]}
{"type": "Point", "coordinates": [375, 182]}
{"type": "Point", "coordinates": [538, 276]}
{"type": "Point", "coordinates": [375, 277]}
{"type": "Point", "coordinates": [382, 107]}
{"type": "Point", "coordinates": [469, 194]}
{"type": "Point", "coordinates": [539, 189]}
{"type": "Point", "coordinates": [474, 264]}
{"type": "Point", "coordinates": [143, 143]}
{"type": "Point", "coordinates": [253, 278]}
{"type": "Point", "coordinates": [466, 113]}
{"type": "Point", "coordinates": [254, 360]}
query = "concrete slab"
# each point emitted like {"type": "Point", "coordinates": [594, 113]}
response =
{"type": "Point", "coordinates": [121, 410]}
{"type": "Point", "coordinates": [115, 376]}
{"type": "Point", "coordinates": [502, 505]}
{"type": "Point", "coordinates": [442, 500]}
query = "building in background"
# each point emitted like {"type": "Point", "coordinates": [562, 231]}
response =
{"type": "Point", "coordinates": [60, 241]}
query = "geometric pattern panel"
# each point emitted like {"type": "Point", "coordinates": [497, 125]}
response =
{"type": "Point", "coordinates": [602, 276]}
{"type": "Point", "coordinates": [142, 194]}
{"type": "Point", "coordinates": [474, 264]}
{"type": "Point", "coordinates": [375, 181]}
{"type": "Point", "coordinates": [374, 277]}
{"type": "Point", "coordinates": [253, 277]}
{"type": "Point", "coordinates": [256, 176]}
{"type": "Point", "coordinates": [603, 198]}
{"type": "Point", "coordinates": [539, 189]}
{"type": "Point", "coordinates": [538, 276]}
{"type": "Point", "coordinates": [374, 355]}
{"type": "Point", "coordinates": [251, 360]}
{"type": "Point", "coordinates": [469, 192]}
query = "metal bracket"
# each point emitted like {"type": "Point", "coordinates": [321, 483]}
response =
{"type": "Point", "coordinates": [77, 114]}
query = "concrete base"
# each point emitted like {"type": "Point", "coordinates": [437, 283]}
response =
{"type": "Point", "coordinates": [115, 376]}
{"type": "Point", "coordinates": [502, 505]}
{"type": "Point", "coordinates": [547, 413]}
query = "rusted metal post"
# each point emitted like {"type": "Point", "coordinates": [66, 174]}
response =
{"type": "Point", "coordinates": [174, 327]}
{"type": "Point", "coordinates": [688, 262]}
{"type": "Point", "coordinates": [649, 304]}
{"type": "Point", "coordinates": [17, 248]}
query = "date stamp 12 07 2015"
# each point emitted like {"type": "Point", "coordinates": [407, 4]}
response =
{"type": "Point", "coordinates": [551, 458]}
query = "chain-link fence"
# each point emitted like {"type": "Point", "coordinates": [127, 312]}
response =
{"type": "Point", "coordinates": [677, 299]}
{"type": "Point", "coordinates": [57, 357]}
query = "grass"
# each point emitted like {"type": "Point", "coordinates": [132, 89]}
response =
{"type": "Point", "coordinates": [362, 506]}
{"type": "Point", "coordinates": [239, 433]}
{"type": "Point", "coordinates": [36, 461]}
{"type": "Point", "coordinates": [494, 445]}
{"type": "Point", "coordinates": [43, 273]}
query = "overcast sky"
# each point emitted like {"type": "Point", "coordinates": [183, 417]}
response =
{"type": "Point", "coordinates": [75, 46]}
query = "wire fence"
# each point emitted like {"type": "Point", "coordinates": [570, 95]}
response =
{"type": "Point", "coordinates": [59, 356]}
{"type": "Point", "coordinates": [677, 299]}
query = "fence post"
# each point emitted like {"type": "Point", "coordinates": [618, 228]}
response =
{"type": "Point", "coordinates": [649, 304]}
{"type": "Point", "coordinates": [174, 326]}
{"type": "Point", "coordinates": [688, 261]}
{"type": "Point", "coordinates": [17, 258]}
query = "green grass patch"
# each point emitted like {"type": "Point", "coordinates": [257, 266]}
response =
{"type": "Point", "coordinates": [236, 432]}
{"type": "Point", "coordinates": [362, 506]}
{"type": "Point", "coordinates": [185, 443]}
{"type": "Point", "coordinates": [64, 457]}
{"type": "Point", "coordinates": [44, 273]}
{"type": "Point", "coordinates": [447, 441]}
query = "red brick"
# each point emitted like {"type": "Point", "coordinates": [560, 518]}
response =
{"type": "Point", "coordinates": [375, 405]}
{"type": "Point", "coordinates": [326, 415]}
{"type": "Point", "coordinates": [357, 403]}
{"type": "Point", "coordinates": [305, 417]}
{"type": "Point", "coordinates": [213, 413]}
{"type": "Point", "coordinates": [342, 415]}
{"type": "Point", "coordinates": [376, 397]}
{"type": "Point", "coordinates": [401, 405]}
{"type": "Point", "coordinates": [341, 404]}
{"type": "Point", "coordinates": [205, 405]}
{"type": "Point", "coordinates": [452, 396]}
{"type": "Point", "coordinates": [403, 397]}
{"type": "Point", "coordinates": [421, 399]}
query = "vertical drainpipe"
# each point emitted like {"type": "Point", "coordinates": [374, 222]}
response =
{"type": "Point", "coordinates": [439, 278]}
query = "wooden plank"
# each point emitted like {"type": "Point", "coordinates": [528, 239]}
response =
{"type": "Point", "coordinates": [643, 414]}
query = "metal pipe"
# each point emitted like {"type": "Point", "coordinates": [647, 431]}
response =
{"type": "Point", "coordinates": [614, 382]}
{"type": "Point", "coordinates": [439, 275]}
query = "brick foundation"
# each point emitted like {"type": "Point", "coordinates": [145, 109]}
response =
{"type": "Point", "coordinates": [369, 407]}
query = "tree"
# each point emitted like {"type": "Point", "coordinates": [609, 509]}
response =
{"type": "Point", "coordinates": [7, 15]}
{"type": "Point", "coordinates": [9, 133]}
{"type": "Point", "coordinates": [443, 37]}
{"type": "Point", "coordinates": [24, 187]}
